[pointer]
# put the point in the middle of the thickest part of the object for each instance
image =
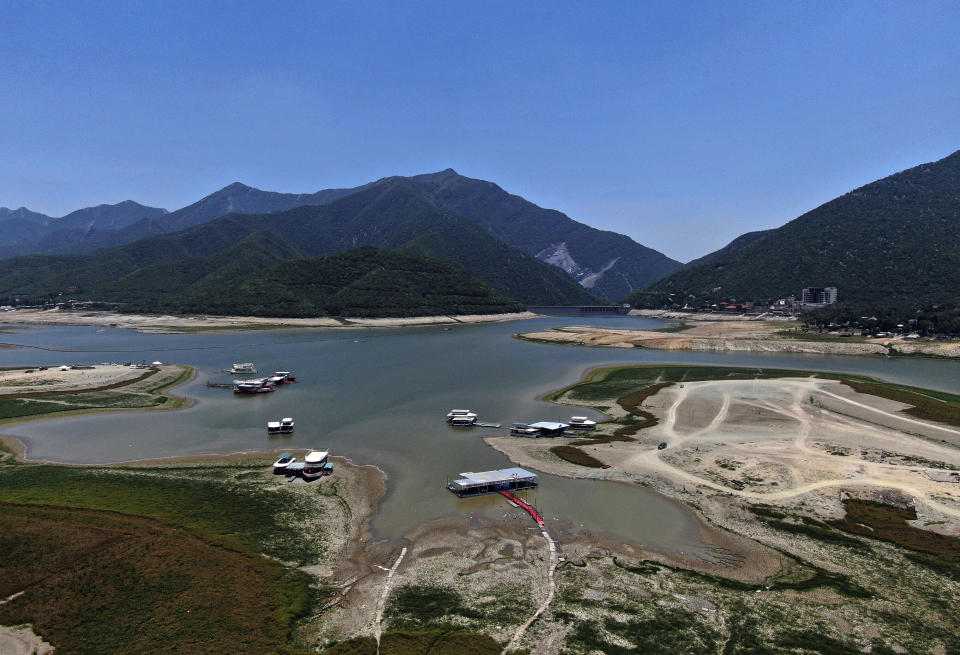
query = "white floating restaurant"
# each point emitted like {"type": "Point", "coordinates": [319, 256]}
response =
{"type": "Point", "coordinates": [491, 482]}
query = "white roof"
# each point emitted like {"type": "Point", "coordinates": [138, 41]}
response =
{"type": "Point", "coordinates": [273, 424]}
{"type": "Point", "coordinates": [287, 420]}
{"type": "Point", "coordinates": [459, 411]}
{"type": "Point", "coordinates": [316, 456]}
{"type": "Point", "coordinates": [548, 425]}
{"type": "Point", "coordinates": [495, 476]}
{"type": "Point", "coordinates": [578, 418]}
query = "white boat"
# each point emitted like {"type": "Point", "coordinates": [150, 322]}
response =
{"type": "Point", "coordinates": [286, 425]}
{"type": "Point", "coordinates": [259, 385]}
{"type": "Point", "coordinates": [524, 430]}
{"type": "Point", "coordinates": [582, 423]}
{"type": "Point", "coordinates": [273, 427]}
{"type": "Point", "coordinates": [458, 412]}
{"type": "Point", "coordinates": [315, 464]}
{"type": "Point", "coordinates": [245, 368]}
{"type": "Point", "coordinates": [281, 464]}
{"type": "Point", "coordinates": [286, 375]}
{"type": "Point", "coordinates": [463, 419]}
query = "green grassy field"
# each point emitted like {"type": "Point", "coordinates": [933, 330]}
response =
{"type": "Point", "coordinates": [125, 560]}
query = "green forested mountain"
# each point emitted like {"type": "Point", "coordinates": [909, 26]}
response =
{"type": "Point", "coordinates": [607, 264]}
{"type": "Point", "coordinates": [362, 282]}
{"type": "Point", "coordinates": [390, 216]}
{"type": "Point", "coordinates": [892, 243]}
{"type": "Point", "coordinates": [730, 249]}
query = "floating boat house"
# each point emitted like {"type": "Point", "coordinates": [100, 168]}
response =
{"type": "Point", "coordinates": [492, 482]}
{"type": "Point", "coordinates": [315, 465]}
{"type": "Point", "coordinates": [582, 423]}
{"type": "Point", "coordinates": [541, 429]}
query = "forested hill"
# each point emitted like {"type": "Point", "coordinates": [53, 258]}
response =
{"type": "Point", "coordinates": [606, 264]}
{"type": "Point", "coordinates": [362, 282]}
{"type": "Point", "coordinates": [894, 243]}
{"type": "Point", "coordinates": [391, 217]}
{"type": "Point", "coordinates": [730, 249]}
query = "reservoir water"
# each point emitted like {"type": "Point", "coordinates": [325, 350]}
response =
{"type": "Point", "coordinates": [379, 396]}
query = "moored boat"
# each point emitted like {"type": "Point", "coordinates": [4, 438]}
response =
{"type": "Point", "coordinates": [259, 385]}
{"type": "Point", "coordinates": [280, 466]}
{"type": "Point", "coordinates": [582, 423]}
{"type": "Point", "coordinates": [315, 464]}
{"type": "Point", "coordinates": [273, 427]}
{"type": "Point", "coordinates": [453, 413]}
{"type": "Point", "coordinates": [463, 419]}
{"type": "Point", "coordinates": [286, 425]}
{"type": "Point", "coordinates": [245, 368]}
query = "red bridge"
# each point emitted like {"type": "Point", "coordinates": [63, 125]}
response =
{"type": "Point", "coordinates": [533, 512]}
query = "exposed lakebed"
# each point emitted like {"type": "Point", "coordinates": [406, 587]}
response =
{"type": "Point", "coordinates": [378, 396]}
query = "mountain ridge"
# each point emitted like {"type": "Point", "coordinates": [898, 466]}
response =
{"type": "Point", "coordinates": [894, 242]}
{"type": "Point", "coordinates": [386, 216]}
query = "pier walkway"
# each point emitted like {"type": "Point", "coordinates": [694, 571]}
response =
{"type": "Point", "coordinates": [533, 512]}
{"type": "Point", "coordinates": [551, 585]}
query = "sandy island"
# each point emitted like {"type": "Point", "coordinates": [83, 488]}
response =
{"type": "Point", "coordinates": [788, 441]}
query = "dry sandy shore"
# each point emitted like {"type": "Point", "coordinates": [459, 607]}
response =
{"type": "Point", "coordinates": [18, 381]}
{"type": "Point", "coordinates": [741, 335]}
{"type": "Point", "coordinates": [169, 323]}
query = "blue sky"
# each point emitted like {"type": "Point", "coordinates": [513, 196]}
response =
{"type": "Point", "coordinates": [681, 124]}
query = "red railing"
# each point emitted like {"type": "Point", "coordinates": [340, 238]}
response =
{"type": "Point", "coordinates": [533, 512]}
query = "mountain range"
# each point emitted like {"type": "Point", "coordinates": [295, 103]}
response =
{"type": "Point", "coordinates": [24, 231]}
{"type": "Point", "coordinates": [893, 243]}
{"type": "Point", "coordinates": [472, 223]}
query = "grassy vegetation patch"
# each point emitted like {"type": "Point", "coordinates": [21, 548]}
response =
{"type": "Point", "coordinates": [419, 643]}
{"type": "Point", "coordinates": [807, 527]}
{"type": "Point", "coordinates": [116, 583]}
{"type": "Point", "coordinates": [888, 523]}
{"type": "Point", "coordinates": [928, 405]}
{"type": "Point", "coordinates": [414, 607]}
{"type": "Point", "coordinates": [669, 631]}
{"type": "Point", "coordinates": [673, 327]}
{"type": "Point", "coordinates": [606, 438]}
{"type": "Point", "coordinates": [574, 455]}
{"type": "Point", "coordinates": [202, 499]}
